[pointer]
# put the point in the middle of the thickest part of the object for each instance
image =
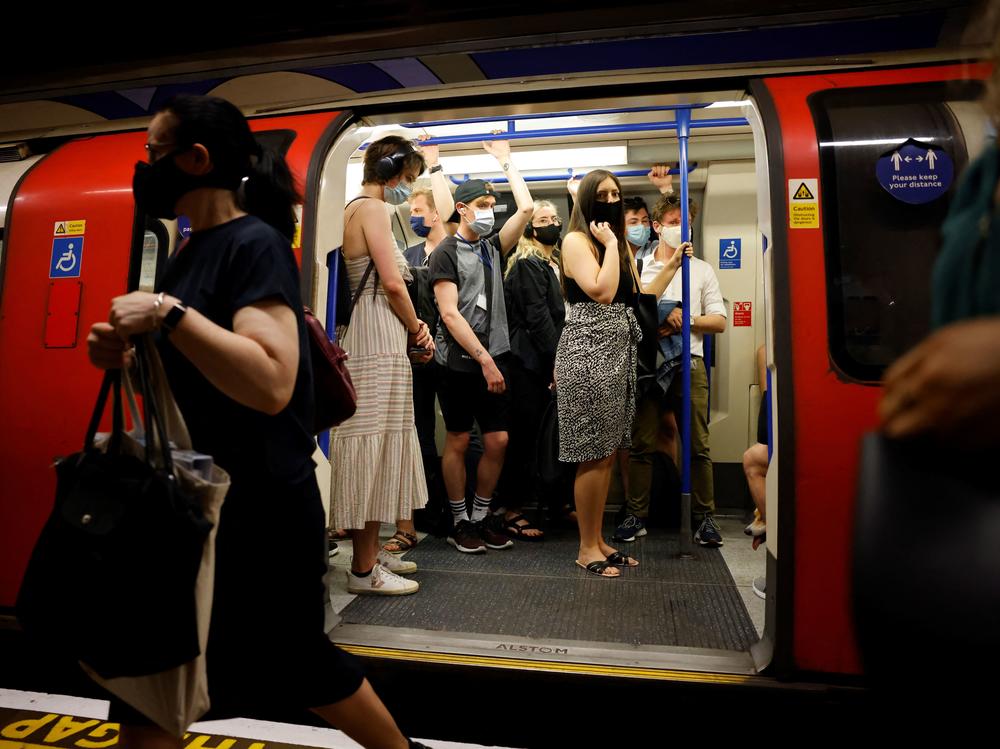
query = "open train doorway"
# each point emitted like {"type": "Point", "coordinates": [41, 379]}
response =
{"type": "Point", "coordinates": [531, 604]}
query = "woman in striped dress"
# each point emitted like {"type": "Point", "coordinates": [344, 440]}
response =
{"type": "Point", "coordinates": [377, 471]}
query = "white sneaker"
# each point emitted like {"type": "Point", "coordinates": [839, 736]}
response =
{"type": "Point", "coordinates": [395, 564]}
{"type": "Point", "coordinates": [380, 582]}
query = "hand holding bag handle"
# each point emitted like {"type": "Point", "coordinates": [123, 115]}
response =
{"type": "Point", "coordinates": [175, 697]}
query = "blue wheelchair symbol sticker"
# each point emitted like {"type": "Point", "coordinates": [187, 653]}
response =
{"type": "Point", "coordinates": [730, 253]}
{"type": "Point", "coordinates": [67, 257]}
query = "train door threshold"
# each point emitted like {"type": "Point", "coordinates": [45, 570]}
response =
{"type": "Point", "coordinates": [531, 608]}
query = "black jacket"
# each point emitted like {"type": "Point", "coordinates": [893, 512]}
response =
{"type": "Point", "coordinates": [535, 314]}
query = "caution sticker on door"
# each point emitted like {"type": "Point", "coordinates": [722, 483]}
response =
{"type": "Point", "coordinates": [69, 228]}
{"type": "Point", "coordinates": [803, 204]}
{"type": "Point", "coordinates": [742, 314]}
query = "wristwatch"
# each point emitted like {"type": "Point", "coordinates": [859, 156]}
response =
{"type": "Point", "coordinates": [173, 318]}
{"type": "Point", "coordinates": [435, 168]}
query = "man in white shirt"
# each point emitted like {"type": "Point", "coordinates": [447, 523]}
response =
{"type": "Point", "coordinates": [708, 316]}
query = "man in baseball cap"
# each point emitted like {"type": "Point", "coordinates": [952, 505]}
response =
{"type": "Point", "coordinates": [466, 271]}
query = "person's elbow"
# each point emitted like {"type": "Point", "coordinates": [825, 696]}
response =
{"type": "Point", "coordinates": [450, 317]}
{"type": "Point", "coordinates": [716, 324]}
{"type": "Point", "coordinates": [395, 287]}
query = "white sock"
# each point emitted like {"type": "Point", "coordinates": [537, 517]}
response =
{"type": "Point", "coordinates": [480, 506]}
{"type": "Point", "coordinates": [459, 511]}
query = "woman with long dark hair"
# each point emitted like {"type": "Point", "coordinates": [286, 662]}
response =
{"type": "Point", "coordinates": [535, 316]}
{"type": "Point", "coordinates": [229, 327]}
{"type": "Point", "coordinates": [595, 364]}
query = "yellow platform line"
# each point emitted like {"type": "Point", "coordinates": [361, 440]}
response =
{"type": "Point", "coordinates": [701, 677]}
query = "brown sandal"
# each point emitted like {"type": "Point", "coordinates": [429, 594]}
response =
{"type": "Point", "coordinates": [400, 542]}
{"type": "Point", "coordinates": [337, 534]}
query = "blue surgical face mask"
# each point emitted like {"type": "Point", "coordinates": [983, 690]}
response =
{"type": "Point", "coordinates": [418, 226]}
{"type": "Point", "coordinates": [483, 222]}
{"type": "Point", "coordinates": [638, 234]}
{"type": "Point", "coordinates": [396, 195]}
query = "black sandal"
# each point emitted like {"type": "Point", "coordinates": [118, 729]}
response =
{"type": "Point", "coordinates": [517, 531]}
{"type": "Point", "coordinates": [622, 560]}
{"type": "Point", "coordinates": [596, 567]}
{"type": "Point", "coordinates": [402, 541]}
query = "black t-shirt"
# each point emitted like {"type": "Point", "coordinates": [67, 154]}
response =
{"type": "Point", "coordinates": [219, 271]}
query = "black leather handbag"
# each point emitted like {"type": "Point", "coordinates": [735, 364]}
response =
{"type": "Point", "coordinates": [647, 315]}
{"type": "Point", "coordinates": [551, 470]}
{"type": "Point", "coordinates": [111, 580]}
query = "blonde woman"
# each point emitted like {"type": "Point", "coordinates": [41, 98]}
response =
{"type": "Point", "coordinates": [535, 315]}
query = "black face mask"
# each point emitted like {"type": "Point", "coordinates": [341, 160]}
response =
{"type": "Point", "coordinates": [608, 213]}
{"type": "Point", "coordinates": [547, 235]}
{"type": "Point", "coordinates": [157, 187]}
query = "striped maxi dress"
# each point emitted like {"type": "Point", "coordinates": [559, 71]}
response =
{"type": "Point", "coordinates": [375, 461]}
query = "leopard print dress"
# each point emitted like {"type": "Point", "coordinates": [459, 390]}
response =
{"type": "Point", "coordinates": [595, 375]}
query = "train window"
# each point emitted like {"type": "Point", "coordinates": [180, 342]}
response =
{"type": "Point", "coordinates": [880, 251]}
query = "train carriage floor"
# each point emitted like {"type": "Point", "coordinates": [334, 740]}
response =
{"type": "Point", "coordinates": [529, 601]}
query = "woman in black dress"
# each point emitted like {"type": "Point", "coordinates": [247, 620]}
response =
{"type": "Point", "coordinates": [230, 331]}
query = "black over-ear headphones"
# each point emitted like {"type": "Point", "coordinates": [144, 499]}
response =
{"type": "Point", "coordinates": [389, 166]}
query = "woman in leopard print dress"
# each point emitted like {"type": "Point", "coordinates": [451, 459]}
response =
{"type": "Point", "coordinates": [596, 359]}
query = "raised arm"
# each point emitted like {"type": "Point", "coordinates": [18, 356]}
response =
{"type": "Point", "coordinates": [662, 179]}
{"type": "Point", "coordinates": [599, 281]}
{"type": "Point", "coordinates": [514, 228]}
{"type": "Point", "coordinates": [444, 201]}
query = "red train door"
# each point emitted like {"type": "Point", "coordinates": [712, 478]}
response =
{"type": "Point", "coordinates": [71, 244]}
{"type": "Point", "coordinates": [850, 286]}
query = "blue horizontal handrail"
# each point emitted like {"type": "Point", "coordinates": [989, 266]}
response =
{"type": "Point", "coordinates": [554, 115]}
{"type": "Point", "coordinates": [567, 175]}
{"type": "Point", "coordinates": [563, 132]}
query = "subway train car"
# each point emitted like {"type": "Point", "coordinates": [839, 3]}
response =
{"type": "Point", "coordinates": [821, 196]}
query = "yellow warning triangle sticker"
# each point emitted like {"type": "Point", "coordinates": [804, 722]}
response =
{"type": "Point", "coordinates": [60, 228]}
{"type": "Point", "coordinates": [803, 193]}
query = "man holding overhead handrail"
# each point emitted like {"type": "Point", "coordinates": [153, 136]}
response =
{"type": "Point", "coordinates": [466, 270]}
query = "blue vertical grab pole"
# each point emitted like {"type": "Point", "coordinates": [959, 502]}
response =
{"type": "Point", "coordinates": [683, 132]}
{"type": "Point", "coordinates": [332, 266]}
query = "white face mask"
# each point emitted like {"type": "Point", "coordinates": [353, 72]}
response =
{"type": "Point", "coordinates": [483, 222]}
{"type": "Point", "coordinates": [671, 235]}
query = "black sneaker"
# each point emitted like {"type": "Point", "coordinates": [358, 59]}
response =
{"type": "Point", "coordinates": [708, 533]}
{"type": "Point", "coordinates": [491, 533]}
{"type": "Point", "coordinates": [465, 537]}
{"type": "Point", "coordinates": [630, 529]}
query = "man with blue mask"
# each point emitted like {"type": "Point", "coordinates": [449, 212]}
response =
{"type": "Point", "coordinates": [426, 223]}
{"type": "Point", "coordinates": [466, 270]}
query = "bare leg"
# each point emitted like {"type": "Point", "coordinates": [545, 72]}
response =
{"type": "Point", "coordinates": [406, 526]}
{"type": "Point", "coordinates": [147, 737]}
{"type": "Point", "coordinates": [364, 718]}
{"type": "Point", "coordinates": [365, 547]}
{"type": "Point", "coordinates": [494, 448]}
{"type": "Point", "coordinates": [453, 463]}
{"type": "Point", "coordinates": [591, 490]}
{"type": "Point", "coordinates": [755, 468]}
